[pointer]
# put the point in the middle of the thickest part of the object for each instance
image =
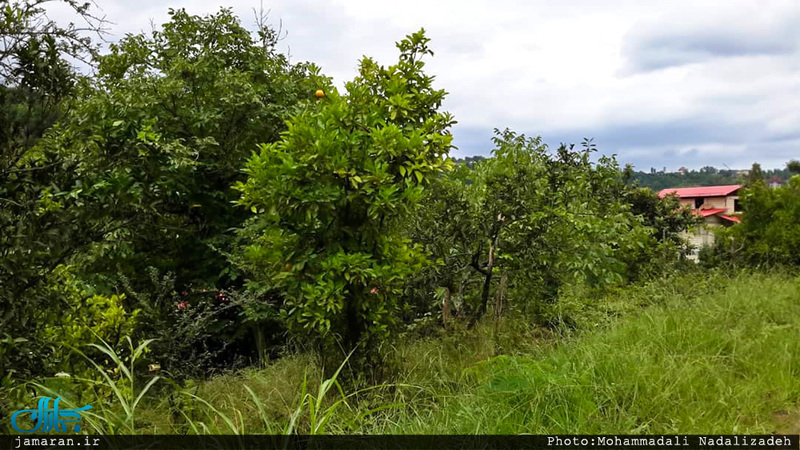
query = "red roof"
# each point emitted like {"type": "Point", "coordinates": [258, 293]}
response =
{"type": "Point", "coordinates": [702, 191]}
{"type": "Point", "coordinates": [731, 218]}
{"type": "Point", "coordinates": [710, 212]}
{"type": "Point", "coordinates": [716, 212]}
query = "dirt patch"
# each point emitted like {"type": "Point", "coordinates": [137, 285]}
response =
{"type": "Point", "coordinates": [786, 422]}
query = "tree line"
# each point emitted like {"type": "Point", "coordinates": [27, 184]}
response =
{"type": "Point", "coordinates": [710, 176]}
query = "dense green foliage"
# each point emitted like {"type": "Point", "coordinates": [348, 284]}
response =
{"type": "Point", "coordinates": [39, 296]}
{"type": "Point", "coordinates": [542, 222]}
{"type": "Point", "coordinates": [137, 177]}
{"type": "Point", "coordinates": [158, 140]}
{"type": "Point", "coordinates": [194, 206]}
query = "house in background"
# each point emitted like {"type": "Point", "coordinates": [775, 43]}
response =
{"type": "Point", "coordinates": [717, 205]}
{"type": "Point", "coordinates": [775, 181]}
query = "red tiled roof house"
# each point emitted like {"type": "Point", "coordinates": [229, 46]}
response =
{"type": "Point", "coordinates": [717, 205]}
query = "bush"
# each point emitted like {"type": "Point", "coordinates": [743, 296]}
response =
{"type": "Point", "coordinates": [195, 331]}
{"type": "Point", "coordinates": [78, 316]}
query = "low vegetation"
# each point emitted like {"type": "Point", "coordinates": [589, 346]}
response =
{"type": "Point", "coordinates": [688, 354]}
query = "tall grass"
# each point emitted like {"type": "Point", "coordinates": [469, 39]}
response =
{"type": "Point", "coordinates": [116, 415]}
{"type": "Point", "coordinates": [322, 406]}
{"type": "Point", "coordinates": [720, 356]}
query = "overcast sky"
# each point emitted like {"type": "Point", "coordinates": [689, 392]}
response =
{"type": "Point", "coordinates": [659, 83]}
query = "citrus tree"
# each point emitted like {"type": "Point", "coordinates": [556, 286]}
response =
{"type": "Point", "coordinates": [330, 197]}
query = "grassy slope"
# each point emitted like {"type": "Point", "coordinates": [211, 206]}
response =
{"type": "Point", "coordinates": [724, 358]}
{"type": "Point", "coordinates": [718, 356]}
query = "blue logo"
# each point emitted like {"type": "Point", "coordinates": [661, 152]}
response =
{"type": "Point", "coordinates": [50, 419]}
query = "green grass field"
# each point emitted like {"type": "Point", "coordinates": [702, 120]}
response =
{"type": "Point", "coordinates": [692, 354]}
{"type": "Point", "coordinates": [723, 360]}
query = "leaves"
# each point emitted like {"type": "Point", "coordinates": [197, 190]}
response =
{"type": "Point", "coordinates": [338, 186]}
{"type": "Point", "coordinates": [547, 219]}
{"type": "Point", "coordinates": [768, 235]}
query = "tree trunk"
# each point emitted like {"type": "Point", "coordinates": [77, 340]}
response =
{"type": "Point", "coordinates": [261, 346]}
{"type": "Point", "coordinates": [446, 307]}
{"type": "Point", "coordinates": [460, 306]}
{"type": "Point", "coordinates": [487, 281]}
{"type": "Point", "coordinates": [498, 301]}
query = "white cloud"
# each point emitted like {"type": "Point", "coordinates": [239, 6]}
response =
{"type": "Point", "coordinates": [648, 79]}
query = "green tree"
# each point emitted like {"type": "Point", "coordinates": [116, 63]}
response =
{"type": "Point", "coordinates": [138, 174]}
{"type": "Point", "coordinates": [45, 310]}
{"type": "Point", "coordinates": [508, 187]}
{"type": "Point", "coordinates": [579, 231]}
{"type": "Point", "coordinates": [331, 197]}
{"type": "Point", "coordinates": [445, 225]}
{"type": "Point", "coordinates": [769, 234]}
{"type": "Point", "coordinates": [708, 170]}
{"type": "Point", "coordinates": [756, 175]}
{"type": "Point", "coordinates": [536, 219]}
{"type": "Point", "coordinates": [35, 81]}
{"type": "Point", "coordinates": [667, 220]}
{"type": "Point", "coordinates": [159, 139]}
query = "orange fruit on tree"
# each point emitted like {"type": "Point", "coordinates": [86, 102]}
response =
{"type": "Point", "coordinates": [320, 93]}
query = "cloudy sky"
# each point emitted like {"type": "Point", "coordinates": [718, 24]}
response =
{"type": "Point", "coordinates": [659, 83]}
